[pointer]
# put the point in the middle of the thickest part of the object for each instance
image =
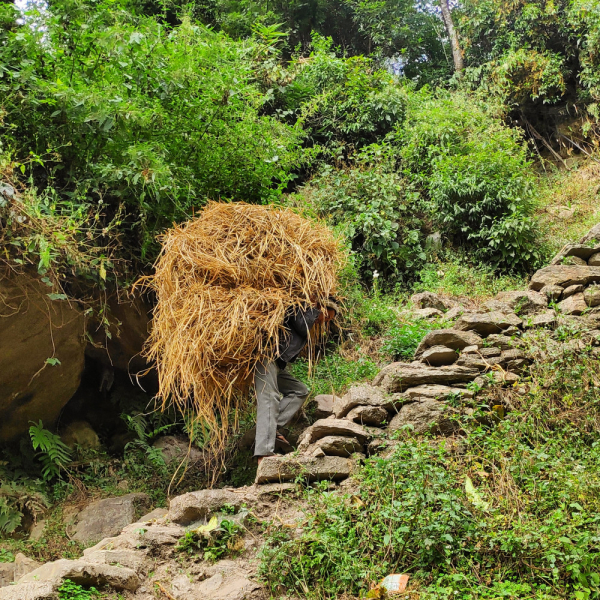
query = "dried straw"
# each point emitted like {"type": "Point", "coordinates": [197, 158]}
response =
{"type": "Point", "coordinates": [223, 283]}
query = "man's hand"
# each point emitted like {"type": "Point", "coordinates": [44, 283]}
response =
{"type": "Point", "coordinates": [325, 317]}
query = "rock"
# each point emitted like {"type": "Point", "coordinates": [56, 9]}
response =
{"type": "Point", "coordinates": [397, 377]}
{"type": "Point", "coordinates": [107, 518]}
{"type": "Point", "coordinates": [24, 565]}
{"type": "Point", "coordinates": [593, 235]}
{"type": "Point", "coordinates": [499, 378]}
{"type": "Point", "coordinates": [35, 328]}
{"type": "Point", "coordinates": [592, 296]}
{"type": "Point", "coordinates": [324, 405]}
{"type": "Point", "coordinates": [427, 313]}
{"type": "Point", "coordinates": [518, 365]}
{"type": "Point", "coordinates": [126, 558]}
{"type": "Point", "coordinates": [327, 427]}
{"type": "Point", "coordinates": [220, 587]}
{"type": "Point", "coordinates": [290, 468]}
{"type": "Point", "coordinates": [475, 361]}
{"type": "Point", "coordinates": [495, 305]}
{"type": "Point", "coordinates": [545, 319]}
{"type": "Point", "coordinates": [82, 434]}
{"type": "Point", "coordinates": [564, 276]}
{"type": "Point", "coordinates": [512, 354]}
{"type": "Point", "coordinates": [487, 323]}
{"type": "Point", "coordinates": [573, 305]}
{"type": "Point", "coordinates": [501, 341]}
{"type": "Point", "coordinates": [129, 332]}
{"type": "Point", "coordinates": [7, 573]}
{"type": "Point", "coordinates": [524, 302]}
{"type": "Point", "coordinates": [37, 531]}
{"type": "Point", "coordinates": [552, 292]}
{"type": "Point", "coordinates": [336, 445]}
{"type": "Point", "coordinates": [39, 590]}
{"type": "Point", "coordinates": [454, 313]}
{"type": "Point", "coordinates": [361, 395]}
{"type": "Point", "coordinates": [435, 392]}
{"type": "Point", "coordinates": [194, 506]}
{"type": "Point", "coordinates": [436, 356]}
{"type": "Point", "coordinates": [157, 513]}
{"type": "Point", "coordinates": [427, 416]}
{"type": "Point", "coordinates": [178, 449]}
{"type": "Point", "coordinates": [470, 350]}
{"type": "Point", "coordinates": [594, 260]}
{"type": "Point", "coordinates": [430, 300]}
{"type": "Point", "coordinates": [573, 260]}
{"type": "Point", "coordinates": [83, 572]}
{"type": "Point", "coordinates": [571, 290]}
{"type": "Point", "coordinates": [574, 251]}
{"type": "Point", "coordinates": [451, 338]}
{"type": "Point", "coordinates": [368, 415]}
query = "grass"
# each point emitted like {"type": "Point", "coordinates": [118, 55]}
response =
{"type": "Point", "coordinates": [528, 527]}
{"type": "Point", "coordinates": [569, 204]}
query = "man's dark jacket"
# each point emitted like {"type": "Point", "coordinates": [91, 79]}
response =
{"type": "Point", "coordinates": [297, 323]}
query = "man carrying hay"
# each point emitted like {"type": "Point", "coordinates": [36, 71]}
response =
{"type": "Point", "coordinates": [279, 395]}
{"type": "Point", "coordinates": [238, 290]}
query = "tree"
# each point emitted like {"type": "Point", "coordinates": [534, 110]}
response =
{"type": "Point", "coordinates": [456, 53]}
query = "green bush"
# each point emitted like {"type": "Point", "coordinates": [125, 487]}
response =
{"type": "Point", "coordinates": [378, 212]}
{"type": "Point", "coordinates": [134, 120]}
{"type": "Point", "coordinates": [343, 102]}
{"type": "Point", "coordinates": [476, 175]}
{"type": "Point", "coordinates": [401, 339]}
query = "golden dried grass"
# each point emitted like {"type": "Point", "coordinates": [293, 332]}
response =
{"type": "Point", "coordinates": [224, 282]}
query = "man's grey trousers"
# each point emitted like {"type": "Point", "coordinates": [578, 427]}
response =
{"type": "Point", "coordinates": [279, 397]}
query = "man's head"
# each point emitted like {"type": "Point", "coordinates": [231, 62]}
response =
{"type": "Point", "coordinates": [328, 312]}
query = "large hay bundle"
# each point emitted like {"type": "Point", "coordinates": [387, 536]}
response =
{"type": "Point", "coordinates": [223, 283]}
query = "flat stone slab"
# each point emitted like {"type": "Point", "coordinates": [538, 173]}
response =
{"type": "Point", "coordinates": [324, 405]}
{"type": "Point", "coordinates": [564, 276]}
{"type": "Point", "coordinates": [429, 415]}
{"type": "Point", "coordinates": [437, 356]}
{"type": "Point", "coordinates": [289, 468]}
{"type": "Point", "coordinates": [336, 445]}
{"type": "Point", "coordinates": [487, 323]}
{"type": "Point", "coordinates": [524, 302]}
{"type": "Point", "coordinates": [361, 395]}
{"type": "Point", "coordinates": [327, 427]}
{"type": "Point", "coordinates": [368, 415]}
{"type": "Point", "coordinates": [107, 518]}
{"type": "Point", "coordinates": [399, 376]}
{"type": "Point", "coordinates": [545, 319]}
{"type": "Point", "coordinates": [451, 338]}
{"type": "Point", "coordinates": [38, 590]}
{"type": "Point", "coordinates": [430, 300]}
{"type": "Point", "coordinates": [582, 251]}
{"type": "Point", "coordinates": [573, 305]}
{"type": "Point", "coordinates": [436, 392]}
{"type": "Point", "coordinates": [194, 506]}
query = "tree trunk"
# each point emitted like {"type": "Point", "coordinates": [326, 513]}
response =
{"type": "Point", "coordinates": [456, 54]}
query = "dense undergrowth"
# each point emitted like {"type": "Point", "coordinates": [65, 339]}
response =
{"type": "Point", "coordinates": [510, 510]}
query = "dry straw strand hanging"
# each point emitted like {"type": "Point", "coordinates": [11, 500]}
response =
{"type": "Point", "coordinates": [223, 284]}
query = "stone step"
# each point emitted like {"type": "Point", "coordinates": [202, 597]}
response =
{"type": "Point", "coordinates": [289, 468]}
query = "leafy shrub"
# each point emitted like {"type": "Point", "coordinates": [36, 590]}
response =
{"type": "Point", "coordinates": [402, 339]}
{"type": "Point", "coordinates": [477, 176]}
{"type": "Point", "coordinates": [378, 212]}
{"type": "Point", "coordinates": [136, 120]}
{"type": "Point", "coordinates": [70, 590]}
{"type": "Point", "coordinates": [16, 500]}
{"type": "Point", "coordinates": [342, 101]}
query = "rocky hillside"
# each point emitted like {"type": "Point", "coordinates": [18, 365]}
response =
{"type": "Point", "coordinates": [453, 369]}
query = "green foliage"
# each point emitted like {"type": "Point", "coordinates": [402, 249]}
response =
{"type": "Point", "coordinates": [513, 514]}
{"type": "Point", "coordinates": [402, 339]}
{"type": "Point", "coordinates": [377, 211]}
{"type": "Point", "coordinates": [221, 541]}
{"type": "Point", "coordinates": [16, 500]}
{"type": "Point", "coordinates": [137, 121]}
{"type": "Point", "coordinates": [334, 372]}
{"type": "Point", "coordinates": [53, 453]}
{"type": "Point", "coordinates": [477, 176]}
{"type": "Point", "coordinates": [147, 428]}
{"type": "Point", "coordinates": [73, 591]}
{"type": "Point", "coordinates": [343, 102]}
